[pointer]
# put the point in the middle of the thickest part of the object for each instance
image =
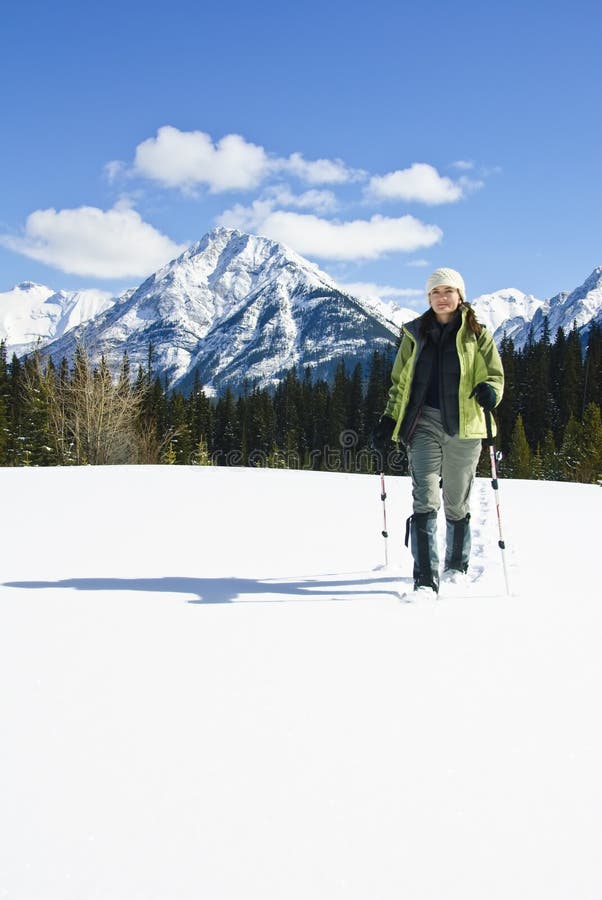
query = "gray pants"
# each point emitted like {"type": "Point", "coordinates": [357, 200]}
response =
{"type": "Point", "coordinates": [434, 455]}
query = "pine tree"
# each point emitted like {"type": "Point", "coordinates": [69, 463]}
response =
{"type": "Point", "coordinates": [227, 432]}
{"type": "Point", "coordinates": [153, 427]}
{"type": "Point", "coordinates": [537, 404]}
{"type": "Point", "coordinates": [590, 469]}
{"type": "Point", "coordinates": [592, 389]}
{"type": "Point", "coordinates": [339, 411]}
{"type": "Point", "coordinates": [377, 390]}
{"type": "Point", "coordinates": [537, 464]}
{"type": "Point", "coordinates": [16, 413]}
{"type": "Point", "coordinates": [288, 432]}
{"type": "Point", "coordinates": [200, 414]}
{"type": "Point", "coordinates": [201, 455]}
{"type": "Point", "coordinates": [509, 407]}
{"type": "Point", "coordinates": [276, 459]}
{"type": "Point", "coordinates": [558, 352]}
{"type": "Point", "coordinates": [39, 387]}
{"type": "Point", "coordinates": [319, 427]}
{"type": "Point", "coordinates": [571, 450]}
{"type": "Point", "coordinates": [257, 424]}
{"type": "Point", "coordinates": [169, 455]}
{"type": "Point", "coordinates": [4, 415]}
{"type": "Point", "coordinates": [178, 426]}
{"type": "Point", "coordinates": [125, 375]}
{"type": "Point", "coordinates": [551, 467]}
{"type": "Point", "coordinates": [520, 454]}
{"type": "Point", "coordinates": [570, 398]}
{"type": "Point", "coordinates": [246, 455]}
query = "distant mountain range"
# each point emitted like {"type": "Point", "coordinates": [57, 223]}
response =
{"type": "Point", "coordinates": [32, 313]}
{"type": "Point", "coordinates": [516, 314]}
{"type": "Point", "coordinates": [236, 306]}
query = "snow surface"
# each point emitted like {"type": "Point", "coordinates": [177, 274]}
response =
{"type": "Point", "coordinates": [210, 689]}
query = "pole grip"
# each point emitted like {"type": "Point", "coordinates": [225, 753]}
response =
{"type": "Point", "coordinates": [488, 426]}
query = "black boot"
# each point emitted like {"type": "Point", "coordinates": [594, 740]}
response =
{"type": "Point", "coordinates": [423, 532]}
{"type": "Point", "coordinates": [457, 544]}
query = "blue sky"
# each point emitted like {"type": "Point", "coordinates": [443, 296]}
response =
{"type": "Point", "coordinates": [380, 141]}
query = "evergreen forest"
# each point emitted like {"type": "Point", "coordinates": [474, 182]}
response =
{"type": "Point", "coordinates": [549, 422]}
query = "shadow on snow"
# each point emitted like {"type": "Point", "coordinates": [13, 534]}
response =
{"type": "Point", "coordinates": [229, 590]}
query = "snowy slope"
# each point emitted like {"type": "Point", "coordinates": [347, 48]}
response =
{"type": "Point", "coordinates": [216, 693]}
{"type": "Point", "coordinates": [32, 313]}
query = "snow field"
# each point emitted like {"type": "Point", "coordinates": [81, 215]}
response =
{"type": "Point", "coordinates": [210, 689]}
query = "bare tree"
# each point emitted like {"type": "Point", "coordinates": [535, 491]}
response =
{"type": "Point", "coordinates": [92, 417]}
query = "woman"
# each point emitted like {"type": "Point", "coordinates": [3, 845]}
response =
{"type": "Point", "coordinates": [447, 373]}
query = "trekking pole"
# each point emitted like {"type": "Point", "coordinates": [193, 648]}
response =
{"type": "Point", "coordinates": [494, 485]}
{"type": "Point", "coordinates": [385, 533]}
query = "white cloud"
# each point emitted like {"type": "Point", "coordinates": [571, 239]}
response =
{"type": "Point", "coordinates": [316, 237]}
{"type": "Point", "coordinates": [465, 165]}
{"type": "Point", "coordinates": [418, 263]}
{"type": "Point", "coordinates": [385, 299]}
{"type": "Point", "coordinates": [89, 241]}
{"type": "Point", "coordinates": [247, 218]}
{"type": "Point", "coordinates": [319, 171]}
{"type": "Point", "coordinates": [318, 201]}
{"type": "Point", "coordinates": [191, 159]}
{"type": "Point", "coordinates": [372, 291]}
{"type": "Point", "coordinates": [187, 159]}
{"type": "Point", "coordinates": [469, 185]}
{"type": "Point", "coordinates": [488, 171]}
{"type": "Point", "coordinates": [114, 170]}
{"type": "Point", "coordinates": [420, 183]}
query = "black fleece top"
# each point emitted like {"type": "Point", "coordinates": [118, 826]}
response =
{"type": "Point", "coordinates": [436, 376]}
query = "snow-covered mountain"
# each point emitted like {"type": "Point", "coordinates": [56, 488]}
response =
{"type": "Point", "coordinates": [515, 314]}
{"type": "Point", "coordinates": [581, 307]}
{"type": "Point", "coordinates": [508, 311]}
{"type": "Point", "coordinates": [234, 306]}
{"type": "Point", "coordinates": [32, 313]}
{"type": "Point", "coordinates": [399, 315]}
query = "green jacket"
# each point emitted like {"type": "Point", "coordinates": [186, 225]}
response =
{"type": "Point", "coordinates": [479, 361]}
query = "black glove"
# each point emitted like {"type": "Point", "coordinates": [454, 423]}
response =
{"type": "Point", "coordinates": [382, 432]}
{"type": "Point", "coordinates": [485, 396]}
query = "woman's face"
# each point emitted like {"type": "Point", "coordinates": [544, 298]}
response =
{"type": "Point", "coordinates": [444, 301]}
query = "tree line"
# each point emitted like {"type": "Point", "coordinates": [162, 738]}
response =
{"type": "Point", "coordinates": [549, 421]}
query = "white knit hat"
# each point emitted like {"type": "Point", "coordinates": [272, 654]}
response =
{"type": "Point", "coordinates": [446, 278]}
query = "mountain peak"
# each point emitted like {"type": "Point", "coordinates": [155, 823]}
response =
{"type": "Point", "coordinates": [594, 281]}
{"type": "Point", "coordinates": [235, 307]}
{"type": "Point", "coordinates": [28, 285]}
